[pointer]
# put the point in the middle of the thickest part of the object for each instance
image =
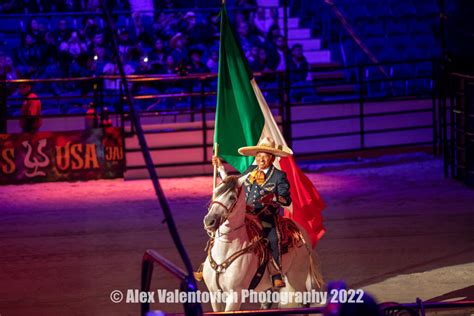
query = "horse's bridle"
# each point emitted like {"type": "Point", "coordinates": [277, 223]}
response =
{"type": "Point", "coordinates": [221, 268]}
{"type": "Point", "coordinates": [228, 209]}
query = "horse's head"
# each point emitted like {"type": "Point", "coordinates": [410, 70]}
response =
{"type": "Point", "coordinates": [229, 198]}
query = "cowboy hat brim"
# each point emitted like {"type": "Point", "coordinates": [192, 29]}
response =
{"type": "Point", "coordinates": [253, 150]}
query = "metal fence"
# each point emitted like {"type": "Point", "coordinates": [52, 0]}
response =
{"type": "Point", "coordinates": [151, 257]}
{"type": "Point", "coordinates": [192, 98]}
{"type": "Point", "coordinates": [457, 127]}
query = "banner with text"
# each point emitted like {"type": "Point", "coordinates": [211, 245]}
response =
{"type": "Point", "coordinates": [61, 156]}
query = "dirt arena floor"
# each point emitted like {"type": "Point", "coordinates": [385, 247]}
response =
{"type": "Point", "coordinates": [395, 228]}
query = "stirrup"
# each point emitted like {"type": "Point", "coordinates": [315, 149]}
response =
{"type": "Point", "coordinates": [198, 274]}
{"type": "Point", "coordinates": [277, 281]}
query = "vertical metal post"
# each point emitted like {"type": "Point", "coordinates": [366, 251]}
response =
{"type": "Point", "coordinates": [287, 106]}
{"type": "Point", "coordinates": [190, 308]}
{"type": "Point", "coordinates": [163, 202]}
{"type": "Point", "coordinates": [444, 124]}
{"type": "Point", "coordinates": [442, 26]}
{"type": "Point", "coordinates": [421, 306]}
{"type": "Point", "coordinates": [122, 127]}
{"type": "Point", "coordinates": [442, 88]}
{"type": "Point", "coordinates": [361, 106]}
{"type": "Point", "coordinates": [3, 104]}
{"type": "Point", "coordinates": [147, 272]}
{"type": "Point", "coordinates": [204, 125]}
{"type": "Point", "coordinates": [122, 117]}
{"type": "Point", "coordinates": [451, 92]}
{"type": "Point", "coordinates": [468, 102]}
{"type": "Point", "coordinates": [121, 104]}
{"type": "Point", "coordinates": [439, 128]}
{"type": "Point", "coordinates": [96, 100]}
{"type": "Point", "coordinates": [101, 102]}
{"type": "Point", "coordinates": [434, 93]}
{"type": "Point", "coordinates": [192, 107]}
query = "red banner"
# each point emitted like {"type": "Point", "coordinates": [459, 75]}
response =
{"type": "Point", "coordinates": [61, 156]}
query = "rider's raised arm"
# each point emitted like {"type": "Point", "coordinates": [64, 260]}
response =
{"type": "Point", "coordinates": [222, 172]}
{"type": "Point", "coordinates": [216, 161]}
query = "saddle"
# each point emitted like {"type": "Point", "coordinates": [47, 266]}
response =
{"type": "Point", "coordinates": [289, 234]}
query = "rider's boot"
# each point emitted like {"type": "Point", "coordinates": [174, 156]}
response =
{"type": "Point", "coordinates": [277, 277]}
{"type": "Point", "coordinates": [277, 281]}
{"type": "Point", "coordinates": [274, 243]}
{"type": "Point", "coordinates": [198, 273]}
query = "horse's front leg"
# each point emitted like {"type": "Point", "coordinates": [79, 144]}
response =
{"type": "Point", "coordinates": [234, 301]}
{"type": "Point", "coordinates": [218, 306]}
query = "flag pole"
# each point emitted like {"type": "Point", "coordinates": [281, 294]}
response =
{"type": "Point", "coordinates": [216, 153]}
{"type": "Point", "coordinates": [214, 181]}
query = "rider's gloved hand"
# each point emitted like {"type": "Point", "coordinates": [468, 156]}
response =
{"type": "Point", "coordinates": [216, 161]}
{"type": "Point", "coordinates": [268, 198]}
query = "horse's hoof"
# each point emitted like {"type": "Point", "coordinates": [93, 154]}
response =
{"type": "Point", "coordinates": [267, 305]}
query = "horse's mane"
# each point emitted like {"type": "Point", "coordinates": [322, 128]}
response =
{"type": "Point", "coordinates": [229, 183]}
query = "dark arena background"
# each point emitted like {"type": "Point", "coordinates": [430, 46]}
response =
{"type": "Point", "coordinates": [107, 191]}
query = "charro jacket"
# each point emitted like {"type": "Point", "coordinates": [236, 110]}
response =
{"type": "Point", "coordinates": [265, 200]}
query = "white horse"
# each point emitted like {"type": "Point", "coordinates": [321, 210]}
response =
{"type": "Point", "coordinates": [231, 263]}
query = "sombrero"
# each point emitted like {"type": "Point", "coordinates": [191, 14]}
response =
{"type": "Point", "coordinates": [266, 145]}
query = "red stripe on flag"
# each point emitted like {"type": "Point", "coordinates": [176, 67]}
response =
{"type": "Point", "coordinates": [307, 203]}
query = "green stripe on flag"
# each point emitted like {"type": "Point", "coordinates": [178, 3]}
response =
{"type": "Point", "coordinates": [239, 119]}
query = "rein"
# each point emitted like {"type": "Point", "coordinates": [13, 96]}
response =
{"type": "Point", "coordinates": [229, 211]}
{"type": "Point", "coordinates": [221, 268]}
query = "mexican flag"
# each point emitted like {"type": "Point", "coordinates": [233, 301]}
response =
{"type": "Point", "coordinates": [243, 118]}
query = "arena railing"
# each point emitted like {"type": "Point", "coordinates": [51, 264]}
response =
{"type": "Point", "coordinates": [56, 104]}
{"type": "Point", "coordinates": [197, 107]}
{"type": "Point", "coordinates": [420, 307]}
{"type": "Point", "coordinates": [151, 257]}
{"type": "Point", "coordinates": [457, 127]}
{"type": "Point", "coordinates": [360, 96]}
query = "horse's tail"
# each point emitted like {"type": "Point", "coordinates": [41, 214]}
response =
{"type": "Point", "coordinates": [315, 279]}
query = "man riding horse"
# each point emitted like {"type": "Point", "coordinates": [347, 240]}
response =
{"type": "Point", "coordinates": [266, 189]}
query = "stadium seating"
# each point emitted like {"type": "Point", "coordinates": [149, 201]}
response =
{"type": "Point", "coordinates": [394, 31]}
